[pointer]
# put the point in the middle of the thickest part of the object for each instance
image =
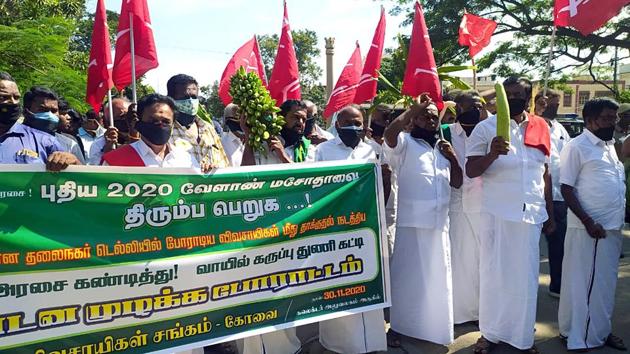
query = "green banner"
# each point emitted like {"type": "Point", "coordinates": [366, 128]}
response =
{"type": "Point", "coordinates": [128, 260]}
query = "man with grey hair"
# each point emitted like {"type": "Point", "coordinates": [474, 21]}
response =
{"type": "Point", "coordinates": [232, 141]}
{"type": "Point", "coordinates": [117, 134]}
{"type": "Point", "coordinates": [312, 130]}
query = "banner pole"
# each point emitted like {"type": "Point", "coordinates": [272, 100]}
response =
{"type": "Point", "coordinates": [133, 59]}
{"type": "Point", "coordinates": [474, 74]}
{"type": "Point", "coordinates": [548, 70]}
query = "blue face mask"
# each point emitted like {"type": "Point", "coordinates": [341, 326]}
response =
{"type": "Point", "coordinates": [48, 116]}
{"type": "Point", "coordinates": [44, 121]}
{"type": "Point", "coordinates": [188, 106]}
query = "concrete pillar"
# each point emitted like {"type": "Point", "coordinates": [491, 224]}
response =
{"type": "Point", "coordinates": [330, 51]}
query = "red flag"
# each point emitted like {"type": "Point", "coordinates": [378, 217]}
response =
{"type": "Point", "coordinates": [285, 77]}
{"type": "Point", "coordinates": [99, 75]}
{"type": "Point", "coordinates": [347, 84]}
{"type": "Point", "coordinates": [475, 33]}
{"type": "Point", "coordinates": [561, 13]}
{"type": "Point", "coordinates": [369, 78]}
{"type": "Point", "coordinates": [421, 73]}
{"type": "Point", "coordinates": [247, 56]}
{"type": "Point", "coordinates": [144, 45]}
{"type": "Point", "coordinates": [586, 16]}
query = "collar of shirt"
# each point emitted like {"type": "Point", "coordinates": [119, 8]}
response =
{"type": "Point", "coordinates": [597, 141]}
{"type": "Point", "coordinates": [144, 150]}
{"type": "Point", "coordinates": [457, 129]}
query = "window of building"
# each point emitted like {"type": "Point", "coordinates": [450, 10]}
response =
{"type": "Point", "coordinates": [567, 99]}
{"type": "Point", "coordinates": [583, 96]}
{"type": "Point", "coordinates": [603, 93]}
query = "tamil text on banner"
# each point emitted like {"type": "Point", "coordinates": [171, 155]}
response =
{"type": "Point", "coordinates": [121, 261]}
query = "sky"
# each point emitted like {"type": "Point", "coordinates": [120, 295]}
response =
{"type": "Point", "coordinates": [198, 37]}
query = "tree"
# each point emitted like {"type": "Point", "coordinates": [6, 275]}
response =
{"type": "Point", "coordinates": [211, 100]}
{"type": "Point", "coordinates": [12, 11]}
{"type": "Point", "coordinates": [306, 50]}
{"type": "Point", "coordinates": [529, 24]}
{"type": "Point", "coordinates": [33, 52]}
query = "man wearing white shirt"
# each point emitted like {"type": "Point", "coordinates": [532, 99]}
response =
{"type": "Point", "coordinates": [156, 116]}
{"type": "Point", "coordinates": [232, 141]}
{"type": "Point", "coordinates": [89, 132]}
{"type": "Point", "coordinates": [547, 107]}
{"type": "Point", "coordinates": [290, 147]}
{"type": "Point", "coordinates": [115, 135]}
{"type": "Point", "coordinates": [312, 130]}
{"type": "Point", "coordinates": [363, 332]}
{"type": "Point", "coordinates": [379, 120]}
{"type": "Point", "coordinates": [516, 201]}
{"type": "Point", "coordinates": [464, 214]}
{"type": "Point", "coordinates": [422, 302]}
{"type": "Point", "coordinates": [593, 186]}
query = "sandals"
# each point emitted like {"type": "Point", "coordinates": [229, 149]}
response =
{"type": "Point", "coordinates": [393, 339]}
{"type": "Point", "coordinates": [483, 346]}
{"type": "Point", "coordinates": [615, 342]}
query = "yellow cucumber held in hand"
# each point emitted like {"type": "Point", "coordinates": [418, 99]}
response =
{"type": "Point", "coordinates": [503, 112]}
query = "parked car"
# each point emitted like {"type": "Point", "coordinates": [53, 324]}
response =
{"type": "Point", "coordinates": [572, 123]}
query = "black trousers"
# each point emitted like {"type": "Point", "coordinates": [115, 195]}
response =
{"type": "Point", "coordinates": [555, 245]}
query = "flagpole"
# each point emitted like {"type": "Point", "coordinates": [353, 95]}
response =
{"type": "Point", "coordinates": [133, 59]}
{"type": "Point", "coordinates": [111, 108]}
{"type": "Point", "coordinates": [548, 70]}
{"type": "Point", "coordinates": [474, 74]}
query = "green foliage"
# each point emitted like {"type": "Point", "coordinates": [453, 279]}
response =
{"type": "Point", "coordinates": [211, 99]}
{"type": "Point", "coordinates": [33, 52]}
{"type": "Point", "coordinates": [12, 11]}
{"type": "Point", "coordinates": [527, 27]}
{"type": "Point", "coordinates": [624, 96]}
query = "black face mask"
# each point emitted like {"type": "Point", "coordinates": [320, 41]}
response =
{"type": "Point", "coordinates": [9, 113]}
{"type": "Point", "coordinates": [121, 125]}
{"type": "Point", "coordinates": [605, 134]}
{"type": "Point", "coordinates": [470, 117]}
{"type": "Point", "coordinates": [550, 112]}
{"type": "Point", "coordinates": [377, 129]}
{"type": "Point", "coordinates": [156, 133]}
{"type": "Point", "coordinates": [185, 119]}
{"type": "Point", "coordinates": [233, 125]}
{"type": "Point", "coordinates": [430, 136]}
{"type": "Point", "coordinates": [290, 136]}
{"type": "Point", "coordinates": [517, 106]}
{"type": "Point", "coordinates": [350, 136]}
{"type": "Point", "coordinates": [309, 126]}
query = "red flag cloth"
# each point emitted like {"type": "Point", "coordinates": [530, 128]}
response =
{"type": "Point", "coordinates": [561, 13]}
{"type": "Point", "coordinates": [247, 56]}
{"type": "Point", "coordinates": [475, 33]}
{"type": "Point", "coordinates": [346, 86]}
{"type": "Point", "coordinates": [586, 16]}
{"type": "Point", "coordinates": [144, 45]}
{"type": "Point", "coordinates": [369, 78]}
{"type": "Point", "coordinates": [99, 72]}
{"type": "Point", "coordinates": [421, 73]}
{"type": "Point", "coordinates": [284, 83]}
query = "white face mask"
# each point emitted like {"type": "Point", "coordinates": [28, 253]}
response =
{"type": "Point", "coordinates": [188, 106]}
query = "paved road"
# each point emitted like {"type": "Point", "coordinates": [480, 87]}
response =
{"type": "Point", "coordinates": [546, 325]}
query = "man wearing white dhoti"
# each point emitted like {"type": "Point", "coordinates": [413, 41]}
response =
{"type": "Point", "coordinates": [593, 185]}
{"type": "Point", "coordinates": [422, 303]}
{"type": "Point", "coordinates": [516, 201]}
{"type": "Point", "coordinates": [363, 332]}
{"type": "Point", "coordinates": [464, 214]}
